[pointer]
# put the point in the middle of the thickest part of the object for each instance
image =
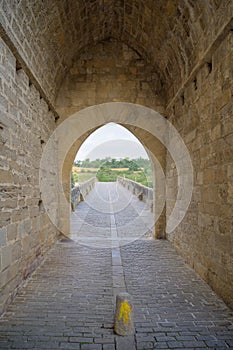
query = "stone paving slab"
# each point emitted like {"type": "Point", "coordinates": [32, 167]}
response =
{"type": "Point", "coordinates": [174, 308]}
{"type": "Point", "coordinates": [68, 302]}
{"type": "Point", "coordinates": [110, 211]}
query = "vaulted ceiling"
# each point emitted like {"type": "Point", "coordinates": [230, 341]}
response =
{"type": "Point", "coordinates": [172, 35]}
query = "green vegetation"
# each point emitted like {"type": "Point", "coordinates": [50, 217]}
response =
{"type": "Point", "coordinates": [81, 175]}
{"type": "Point", "coordinates": [107, 170]}
{"type": "Point", "coordinates": [113, 163]}
{"type": "Point", "coordinates": [85, 176]}
{"type": "Point", "coordinates": [109, 175]}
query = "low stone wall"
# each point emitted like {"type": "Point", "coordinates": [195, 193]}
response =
{"type": "Point", "coordinates": [143, 193]}
{"type": "Point", "coordinates": [79, 192]}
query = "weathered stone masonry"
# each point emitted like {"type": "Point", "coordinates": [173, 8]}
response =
{"type": "Point", "coordinates": [203, 114]}
{"type": "Point", "coordinates": [109, 71]}
{"type": "Point", "coordinates": [170, 55]}
{"type": "Point", "coordinates": [25, 125]}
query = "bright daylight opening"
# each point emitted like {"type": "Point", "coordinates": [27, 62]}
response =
{"type": "Point", "coordinates": [112, 151]}
{"type": "Point", "coordinates": [111, 188]}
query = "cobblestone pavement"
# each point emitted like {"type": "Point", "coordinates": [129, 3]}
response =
{"type": "Point", "coordinates": [68, 302]}
{"type": "Point", "coordinates": [174, 308]}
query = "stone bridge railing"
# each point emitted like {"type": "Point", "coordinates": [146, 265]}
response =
{"type": "Point", "coordinates": [79, 192]}
{"type": "Point", "coordinates": [143, 193]}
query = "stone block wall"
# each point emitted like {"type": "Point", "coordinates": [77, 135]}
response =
{"type": "Point", "coordinates": [109, 72]}
{"type": "Point", "coordinates": [91, 52]}
{"type": "Point", "coordinates": [25, 125]}
{"type": "Point", "coordinates": [78, 193]}
{"type": "Point", "coordinates": [173, 35]}
{"type": "Point", "coordinates": [202, 113]}
{"type": "Point", "coordinates": [144, 193]}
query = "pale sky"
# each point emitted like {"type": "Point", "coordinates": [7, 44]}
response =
{"type": "Point", "coordinates": [111, 140]}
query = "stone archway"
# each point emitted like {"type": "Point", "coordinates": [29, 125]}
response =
{"type": "Point", "coordinates": [154, 132]}
{"type": "Point", "coordinates": [157, 156]}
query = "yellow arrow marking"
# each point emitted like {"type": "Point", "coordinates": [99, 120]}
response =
{"type": "Point", "coordinates": [124, 312]}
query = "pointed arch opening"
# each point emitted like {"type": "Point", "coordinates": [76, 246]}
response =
{"type": "Point", "coordinates": [112, 186]}
{"type": "Point", "coordinates": [153, 131]}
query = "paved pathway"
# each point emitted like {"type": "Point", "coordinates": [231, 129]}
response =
{"type": "Point", "coordinates": [68, 303]}
{"type": "Point", "coordinates": [110, 216]}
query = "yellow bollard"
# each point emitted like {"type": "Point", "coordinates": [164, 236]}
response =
{"type": "Point", "coordinates": [124, 322]}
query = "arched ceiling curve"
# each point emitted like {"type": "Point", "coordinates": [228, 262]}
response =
{"type": "Point", "coordinates": [171, 35]}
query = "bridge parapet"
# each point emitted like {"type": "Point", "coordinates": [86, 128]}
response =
{"type": "Point", "coordinates": [143, 193]}
{"type": "Point", "coordinates": [79, 192]}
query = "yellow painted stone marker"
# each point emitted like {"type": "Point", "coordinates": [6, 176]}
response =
{"type": "Point", "coordinates": [124, 322]}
